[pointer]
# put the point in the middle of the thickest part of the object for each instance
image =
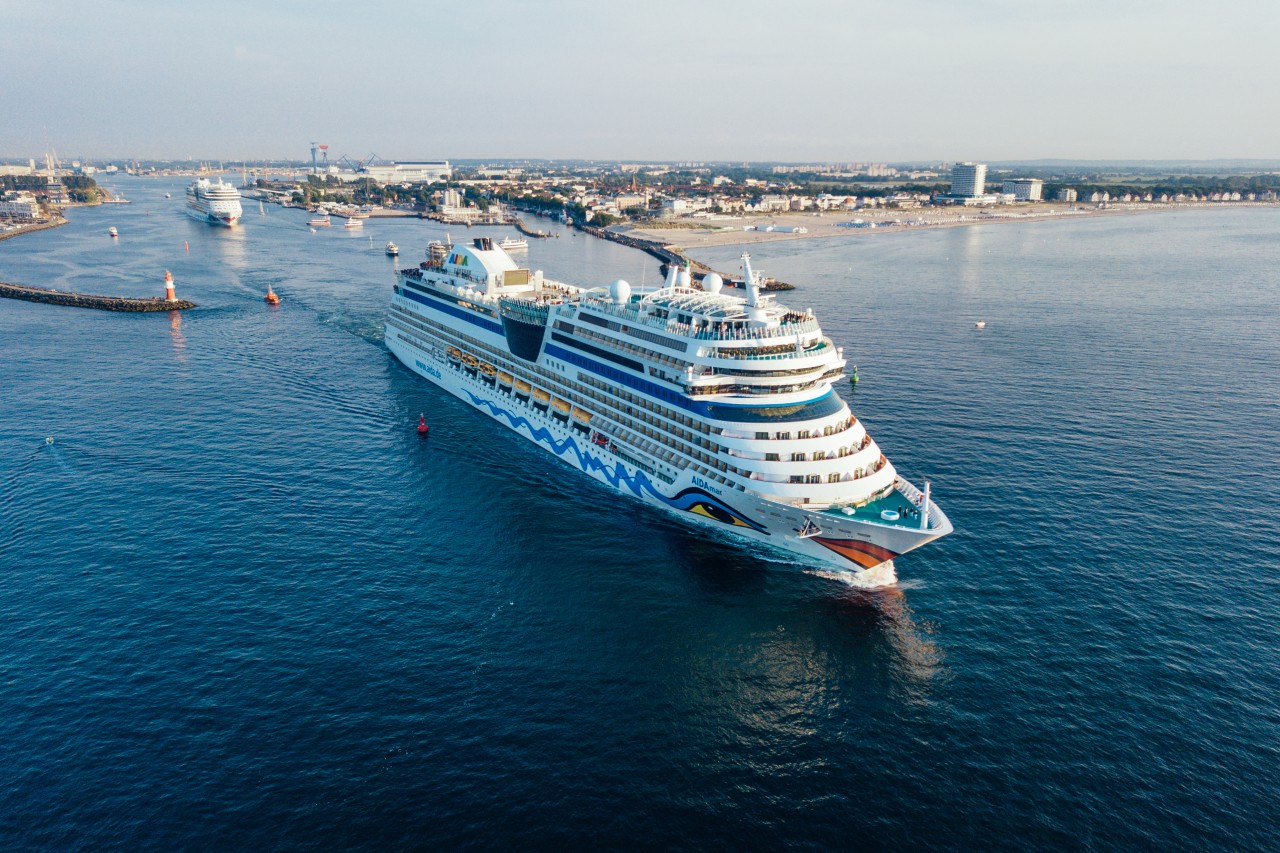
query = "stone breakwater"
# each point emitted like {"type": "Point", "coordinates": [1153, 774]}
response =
{"type": "Point", "coordinates": [673, 255]}
{"type": "Point", "coordinates": [85, 300]}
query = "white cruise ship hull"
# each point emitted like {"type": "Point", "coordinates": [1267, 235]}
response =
{"type": "Point", "coordinates": [208, 217]}
{"type": "Point", "coordinates": [845, 542]}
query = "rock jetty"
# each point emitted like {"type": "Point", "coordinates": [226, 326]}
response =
{"type": "Point", "coordinates": [85, 300]}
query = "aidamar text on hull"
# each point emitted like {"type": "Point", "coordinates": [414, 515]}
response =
{"type": "Point", "coordinates": [717, 407]}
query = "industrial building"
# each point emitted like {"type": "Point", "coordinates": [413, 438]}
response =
{"type": "Point", "coordinates": [412, 173]}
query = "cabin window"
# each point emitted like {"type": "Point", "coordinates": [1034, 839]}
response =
{"type": "Point", "coordinates": [771, 457]}
{"type": "Point", "coordinates": [784, 436]}
{"type": "Point", "coordinates": [797, 478]}
{"type": "Point", "coordinates": [762, 436]}
{"type": "Point", "coordinates": [819, 454]}
{"type": "Point", "coordinates": [804, 433]}
{"type": "Point", "coordinates": [833, 478]}
{"type": "Point", "coordinates": [797, 457]}
{"type": "Point", "coordinates": [814, 478]}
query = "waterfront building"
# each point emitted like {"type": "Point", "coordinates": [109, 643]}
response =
{"type": "Point", "coordinates": [1067, 194]}
{"type": "Point", "coordinates": [20, 206]}
{"type": "Point", "coordinates": [1024, 189]}
{"type": "Point", "coordinates": [968, 180]}
{"type": "Point", "coordinates": [55, 191]}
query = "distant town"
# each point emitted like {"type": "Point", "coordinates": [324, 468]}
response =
{"type": "Point", "coordinates": [702, 197]}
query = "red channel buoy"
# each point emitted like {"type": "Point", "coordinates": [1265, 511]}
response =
{"type": "Point", "coordinates": [422, 425]}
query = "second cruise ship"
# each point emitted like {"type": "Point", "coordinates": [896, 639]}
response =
{"type": "Point", "coordinates": [720, 408]}
{"type": "Point", "coordinates": [215, 202]}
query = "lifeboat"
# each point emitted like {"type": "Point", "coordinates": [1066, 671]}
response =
{"type": "Point", "coordinates": [488, 369]}
{"type": "Point", "coordinates": [454, 354]}
{"type": "Point", "coordinates": [580, 415]}
{"type": "Point", "coordinates": [523, 386]}
{"type": "Point", "coordinates": [504, 378]}
{"type": "Point", "coordinates": [470, 360]}
{"type": "Point", "coordinates": [541, 396]}
{"type": "Point", "coordinates": [271, 298]}
{"type": "Point", "coordinates": [561, 405]}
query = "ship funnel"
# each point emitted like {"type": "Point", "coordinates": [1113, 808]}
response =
{"type": "Point", "coordinates": [750, 281]}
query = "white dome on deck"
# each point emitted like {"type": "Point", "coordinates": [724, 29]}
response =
{"type": "Point", "coordinates": [620, 291]}
{"type": "Point", "coordinates": [712, 283]}
{"type": "Point", "coordinates": [683, 279]}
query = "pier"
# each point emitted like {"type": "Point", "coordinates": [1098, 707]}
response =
{"type": "Point", "coordinates": [526, 230]}
{"type": "Point", "coordinates": [672, 255]}
{"type": "Point", "coordinates": [85, 300]}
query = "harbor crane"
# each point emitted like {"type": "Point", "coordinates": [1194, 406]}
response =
{"type": "Point", "coordinates": [323, 151]}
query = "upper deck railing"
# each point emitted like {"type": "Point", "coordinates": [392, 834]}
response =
{"type": "Point", "coordinates": [787, 328]}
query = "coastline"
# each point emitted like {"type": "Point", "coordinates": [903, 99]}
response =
{"type": "Point", "coordinates": [54, 222]}
{"type": "Point", "coordinates": [728, 231]}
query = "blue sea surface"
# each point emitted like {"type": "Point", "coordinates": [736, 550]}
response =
{"type": "Point", "coordinates": [244, 606]}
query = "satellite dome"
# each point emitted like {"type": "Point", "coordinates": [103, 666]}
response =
{"type": "Point", "coordinates": [712, 283]}
{"type": "Point", "coordinates": [683, 278]}
{"type": "Point", "coordinates": [620, 291]}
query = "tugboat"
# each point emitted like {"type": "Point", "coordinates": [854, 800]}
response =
{"type": "Point", "coordinates": [271, 298]}
{"type": "Point", "coordinates": [392, 250]}
{"type": "Point", "coordinates": [113, 232]}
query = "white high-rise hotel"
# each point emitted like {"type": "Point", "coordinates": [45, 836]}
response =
{"type": "Point", "coordinates": [968, 179]}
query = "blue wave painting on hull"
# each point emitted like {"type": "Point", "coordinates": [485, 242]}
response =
{"type": "Point", "coordinates": [690, 499]}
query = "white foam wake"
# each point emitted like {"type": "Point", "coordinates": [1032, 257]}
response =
{"type": "Point", "coordinates": [882, 575]}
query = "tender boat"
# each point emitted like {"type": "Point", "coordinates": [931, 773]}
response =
{"type": "Point", "coordinates": [319, 221]}
{"type": "Point", "coordinates": [113, 232]}
{"type": "Point", "coordinates": [352, 224]}
{"type": "Point", "coordinates": [392, 249]}
{"type": "Point", "coordinates": [271, 298]}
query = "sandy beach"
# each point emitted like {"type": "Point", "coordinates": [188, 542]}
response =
{"type": "Point", "coordinates": [729, 230]}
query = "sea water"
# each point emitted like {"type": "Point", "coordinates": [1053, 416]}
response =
{"type": "Point", "coordinates": [245, 606]}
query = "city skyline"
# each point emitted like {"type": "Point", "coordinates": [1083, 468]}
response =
{"type": "Point", "coordinates": [926, 81]}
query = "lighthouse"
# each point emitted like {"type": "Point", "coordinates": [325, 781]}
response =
{"type": "Point", "coordinates": [168, 287]}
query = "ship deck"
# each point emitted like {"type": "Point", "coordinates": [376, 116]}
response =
{"type": "Point", "coordinates": [894, 501]}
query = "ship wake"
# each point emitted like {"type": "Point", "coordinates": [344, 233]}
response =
{"type": "Point", "coordinates": [880, 576]}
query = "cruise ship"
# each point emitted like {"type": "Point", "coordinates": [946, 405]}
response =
{"type": "Point", "coordinates": [216, 203]}
{"type": "Point", "coordinates": [717, 407]}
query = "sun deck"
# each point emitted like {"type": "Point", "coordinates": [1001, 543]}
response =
{"type": "Point", "coordinates": [895, 501]}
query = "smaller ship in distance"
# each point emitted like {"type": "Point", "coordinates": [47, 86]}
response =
{"type": "Point", "coordinates": [352, 224]}
{"type": "Point", "coordinates": [113, 232]}
{"type": "Point", "coordinates": [217, 203]}
{"type": "Point", "coordinates": [392, 250]}
{"type": "Point", "coordinates": [511, 244]}
{"type": "Point", "coordinates": [319, 221]}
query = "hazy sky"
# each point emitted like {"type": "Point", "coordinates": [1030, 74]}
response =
{"type": "Point", "coordinates": [657, 79]}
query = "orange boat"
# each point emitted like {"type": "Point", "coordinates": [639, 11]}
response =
{"type": "Point", "coordinates": [271, 298]}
